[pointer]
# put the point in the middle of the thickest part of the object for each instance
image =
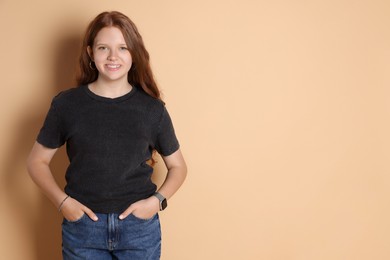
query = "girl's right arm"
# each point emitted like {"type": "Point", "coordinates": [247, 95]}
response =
{"type": "Point", "coordinates": [38, 167]}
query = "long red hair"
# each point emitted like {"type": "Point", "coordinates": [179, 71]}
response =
{"type": "Point", "coordinates": [140, 74]}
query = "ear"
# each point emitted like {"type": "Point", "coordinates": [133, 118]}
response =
{"type": "Point", "coordinates": [90, 53]}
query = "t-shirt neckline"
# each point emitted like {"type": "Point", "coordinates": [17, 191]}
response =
{"type": "Point", "coordinates": [107, 99]}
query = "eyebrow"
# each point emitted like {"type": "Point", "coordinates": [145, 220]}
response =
{"type": "Point", "coordinates": [102, 43]}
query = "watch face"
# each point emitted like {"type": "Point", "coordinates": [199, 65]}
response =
{"type": "Point", "coordinates": [164, 204]}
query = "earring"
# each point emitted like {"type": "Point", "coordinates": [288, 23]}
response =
{"type": "Point", "coordinates": [90, 65]}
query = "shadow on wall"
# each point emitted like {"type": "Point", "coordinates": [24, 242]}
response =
{"type": "Point", "coordinates": [43, 224]}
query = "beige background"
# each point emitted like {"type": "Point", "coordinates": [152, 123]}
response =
{"type": "Point", "coordinates": [282, 109]}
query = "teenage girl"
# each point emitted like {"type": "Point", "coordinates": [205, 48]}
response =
{"type": "Point", "coordinates": [111, 124]}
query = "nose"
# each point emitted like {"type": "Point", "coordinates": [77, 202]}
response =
{"type": "Point", "coordinates": [112, 55]}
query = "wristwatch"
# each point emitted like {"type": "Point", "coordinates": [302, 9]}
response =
{"type": "Point", "coordinates": [162, 199]}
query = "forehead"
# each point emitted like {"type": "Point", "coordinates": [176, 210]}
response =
{"type": "Point", "coordinates": [110, 35]}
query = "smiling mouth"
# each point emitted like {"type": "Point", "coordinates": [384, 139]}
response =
{"type": "Point", "coordinates": [112, 66]}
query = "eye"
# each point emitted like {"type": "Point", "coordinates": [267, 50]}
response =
{"type": "Point", "coordinates": [123, 48]}
{"type": "Point", "coordinates": [102, 48]}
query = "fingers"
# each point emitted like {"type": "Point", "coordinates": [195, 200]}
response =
{"type": "Point", "coordinates": [144, 209]}
{"type": "Point", "coordinates": [90, 214]}
{"type": "Point", "coordinates": [73, 210]}
{"type": "Point", "coordinates": [127, 212]}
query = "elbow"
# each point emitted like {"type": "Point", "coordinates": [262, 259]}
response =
{"type": "Point", "coordinates": [33, 164]}
{"type": "Point", "coordinates": [180, 171]}
{"type": "Point", "coordinates": [184, 171]}
{"type": "Point", "coordinates": [30, 163]}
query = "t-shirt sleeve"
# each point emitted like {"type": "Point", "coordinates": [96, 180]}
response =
{"type": "Point", "coordinates": [166, 141]}
{"type": "Point", "coordinates": [51, 134]}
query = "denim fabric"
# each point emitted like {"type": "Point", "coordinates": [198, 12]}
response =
{"type": "Point", "coordinates": [111, 238]}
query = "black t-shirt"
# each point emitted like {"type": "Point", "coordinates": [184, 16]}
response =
{"type": "Point", "coordinates": [109, 142]}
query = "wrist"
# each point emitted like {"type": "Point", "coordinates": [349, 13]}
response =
{"type": "Point", "coordinates": [62, 203]}
{"type": "Point", "coordinates": [162, 200]}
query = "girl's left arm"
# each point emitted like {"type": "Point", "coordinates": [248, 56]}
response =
{"type": "Point", "coordinates": [177, 172]}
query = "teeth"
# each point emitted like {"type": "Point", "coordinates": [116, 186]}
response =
{"type": "Point", "coordinates": [113, 66]}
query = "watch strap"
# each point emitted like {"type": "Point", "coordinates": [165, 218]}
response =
{"type": "Point", "coordinates": [159, 196]}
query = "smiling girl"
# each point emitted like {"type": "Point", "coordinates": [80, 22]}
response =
{"type": "Point", "coordinates": [111, 123]}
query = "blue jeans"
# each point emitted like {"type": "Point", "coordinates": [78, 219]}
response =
{"type": "Point", "coordinates": [111, 238]}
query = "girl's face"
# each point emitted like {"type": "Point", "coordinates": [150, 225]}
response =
{"type": "Point", "coordinates": [110, 54]}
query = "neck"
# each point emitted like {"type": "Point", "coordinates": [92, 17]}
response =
{"type": "Point", "coordinates": [110, 89]}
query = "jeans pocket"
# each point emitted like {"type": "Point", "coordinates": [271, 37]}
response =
{"type": "Point", "coordinates": [142, 219]}
{"type": "Point", "coordinates": [78, 233]}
